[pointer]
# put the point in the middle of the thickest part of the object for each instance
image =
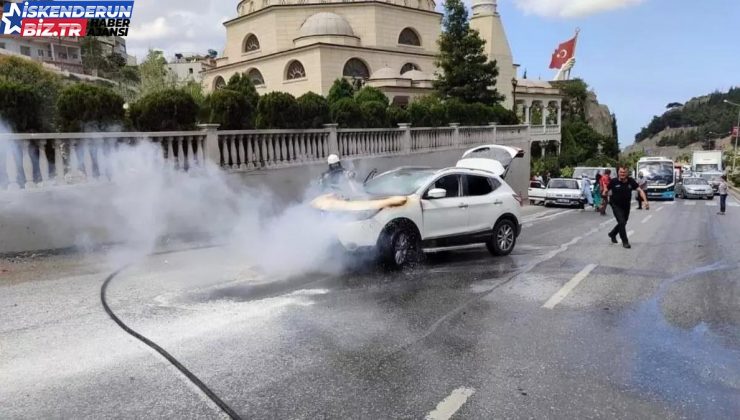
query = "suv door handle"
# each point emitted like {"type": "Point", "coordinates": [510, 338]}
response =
{"type": "Point", "coordinates": [463, 206]}
{"type": "Point", "coordinates": [498, 202]}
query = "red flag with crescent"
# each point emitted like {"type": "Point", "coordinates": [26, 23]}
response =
{"type": "Point", "coordinates": [565, 52]}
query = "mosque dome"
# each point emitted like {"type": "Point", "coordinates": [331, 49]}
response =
{"type": "Point", "coordinates": [325, 23]}
{"type": "Point", "coordinates": [416, 75]}
{"type": "Point", "coordinates": [385, 73]}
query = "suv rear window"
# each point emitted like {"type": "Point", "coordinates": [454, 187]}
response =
{"type": "Point", "coordinates": [478, 185]}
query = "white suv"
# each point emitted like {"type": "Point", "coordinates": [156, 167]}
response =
{"type": "Point", "coordinates": [406, 210]}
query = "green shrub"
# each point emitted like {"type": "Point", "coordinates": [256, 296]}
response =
{"type": "Point", "coordinates": [277, 110]}
{"type": "Point", "coordinates": [241, 83]}
{"type": "Point", "coordinates": [19, 105]}
{"type": "Point", "coordinates": [230, 109]}
{"type": "Point", "coordinates": [340, 89]}
{"type": "Point", "coordinates": [371, 94]}
{"type": "Point", "coordinates": [314, 110]}
{"type": "Point", "coordinates": [83, 107]}
{"type": "Point", "coordinates": [428, 111]}
{"type": "Point", "coordinates": [347, 113]}
{"type": "Point", "coordinates": [374, 114]}
{"type": "Point", "coordinates": [165, 110]}
{"type": "Point", "coordinates": [44, 84]}
{"type": "Point", "coordinates": [397, 115]}
{"type": "Point", "coordinates": [503, 116]}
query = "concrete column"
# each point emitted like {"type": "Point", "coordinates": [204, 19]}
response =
{"type": "Point", "coordinates": [213, 154]}
{"type": "Point", "coordinates": [455, 134]}
{"type": "Point", "coordinates": [560, 113]}
{"type": "Point", "coordinates": [543, 109]}
{"type": "Point", "coordinates": [543, 148]}
{"type": "Point", "coordinates": [495, 131]}
{"type": "Point", "coordinates": [527, 111]}
{"type": "Point", "coordinates": [405, 138]}
{"type": "Point", "coordinates": [333, 138]}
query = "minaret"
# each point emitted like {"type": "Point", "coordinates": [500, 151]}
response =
{"type": "Point", "coordinates": [487, 22]}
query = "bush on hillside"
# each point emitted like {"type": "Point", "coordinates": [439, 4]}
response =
{"type": "Point", "coordinates": [83, 107]}
{"type": "Point", "coordinates": [19, 105]}
{"type": "Point", "coordinates": [43, 83]}
{"type": "Point", "coordinates": [340, 89]}
{"type": "Point", "coordinates": [277, 110]}
{"type": "Point", "coordinates": [371, 94]}
{"type": "Point", "coordinates": [314, 110]}
{"type": "Point", "coordinates": [374, 114]}
{"type": "Point", "coordinates": [230, 109]}
{"type": "Point", "coordinates": [347, 113]}
{"type": "Point", "coordinates": [165, 110]}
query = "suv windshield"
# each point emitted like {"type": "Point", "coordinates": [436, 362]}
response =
{"type": "Point", "coordinates": [403, 181]}
{"type": "Point", "coordinates": [569, 184]}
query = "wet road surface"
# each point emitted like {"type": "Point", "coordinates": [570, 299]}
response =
{"type": "Point", "coordinates": [568, 326]}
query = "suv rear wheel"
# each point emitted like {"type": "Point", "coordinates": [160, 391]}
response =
{"type": "Point", "coordinates": [504, 238]}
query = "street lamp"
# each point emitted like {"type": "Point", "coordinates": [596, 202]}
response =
{"type": "Point", "coordinates": [737, 134]}
{"type": "Point", "coordinates": [514, 84]}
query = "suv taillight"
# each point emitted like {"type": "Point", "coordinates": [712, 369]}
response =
{"type": "Point", "coordinates": [518, 199]}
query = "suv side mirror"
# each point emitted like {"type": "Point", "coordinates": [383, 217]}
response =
{"type": "Point", "coordinates": [436, 193]}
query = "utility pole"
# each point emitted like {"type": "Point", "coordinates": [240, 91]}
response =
{"type": "Point", "coordinates": [737, 134]}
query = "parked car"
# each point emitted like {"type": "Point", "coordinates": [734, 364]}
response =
{"type": "Point", "coordinates": [694, 188]}
{"type": "Point", "coordinates": [564, 192]}
{"type": "Point", "coordinates": [406, 210]}
{"type": "Point", "coordinates": [713, 178]}
{"type": "Point", "coordinates": [536, 192]}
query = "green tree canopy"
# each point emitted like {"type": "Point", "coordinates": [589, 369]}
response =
{"type": "Point", "coordinates": [241, 83]}
{"type": "Point", "coordinates": [340, 89]}
{"type": "Point", "coordinates": [314, 110]}
{"type": "Point", "coordinates": [465, 71]}
{"type": "Point", "coordinates": [44, 84]}
{"type": "Point", "coordinates": [154, 74]}
{"type": "Point", "coordinates": [277, 110]}
{"type": "Point", "coordinates": [19, 104]}
{"type": "Point", "coordinates": [347, 113]}
{"type": "Point", "coordinates": [371, 94]}
{"type": "Point", "coordinates": [164, 110]}
{"type": "Point", "coordinates": [83, 107]}
{"type": "Point", "coordinates": [230, 109]}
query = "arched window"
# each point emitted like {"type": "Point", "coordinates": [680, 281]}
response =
{"type": "Point", "coordinates": [256, 77]}
{"type": "Point", "coordinates": [356, 68]}
{"type": "Point", "coordinates": [408, 67]}
{"type": "Point", "coordinates": [409, 36]}
{"type": "Point", "coordinates": [295, 70]}
{"type": "Point", "coordinates": [251, 43]}
{"type": "Point", "coordinates": [219, 82]}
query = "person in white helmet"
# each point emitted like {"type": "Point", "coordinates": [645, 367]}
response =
{"type": "Point", "coordinates": [337, 178]}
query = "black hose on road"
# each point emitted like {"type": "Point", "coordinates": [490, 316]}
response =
{"type": "Point", "coordinates": [194, 379]}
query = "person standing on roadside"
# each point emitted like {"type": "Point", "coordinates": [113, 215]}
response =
{"type": "Point", "coordinates": [586, 190]}
{"type": "Point", "coordinates": [642, 182]}
{"type": "Point", "coordinates": [597, 191]}
{"type": "Point", "coordinates": [621, 189]}
{"type": "Point", "coordinates": [604, 185]}
{"type": "Point", "coordinates": [722, 195]}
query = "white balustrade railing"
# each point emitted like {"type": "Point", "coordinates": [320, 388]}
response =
{"type": "Point", "coordinates": [368, 142]}
{"type": "Point", "coordinates": [32, 160]}
{"type": "Point", "coordinates": [432, 138]}
{"type": "Point", "coordinates": [271, 148]}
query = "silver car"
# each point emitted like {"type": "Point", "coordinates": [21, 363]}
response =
{"type": "Point", "coordinates": [694, 188]}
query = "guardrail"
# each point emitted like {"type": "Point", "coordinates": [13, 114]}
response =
{"type": "Point", "coordinates": [49, 159]}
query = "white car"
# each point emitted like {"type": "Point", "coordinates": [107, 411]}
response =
{"type": "Point", "coordinates": [536, 192]}
{"type": "Point", "coordinates": [564, 192]}
{"type": "Point", "coordinates": [407, 210]}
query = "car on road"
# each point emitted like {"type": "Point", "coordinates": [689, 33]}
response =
{"type": "Point", "coordinates": [713, 178]}
{"type": "Point", "coordinates": [402, 212]}
{"type": "Point", "coordinates": [536, 192]}
{"type": "Point", "coordinates": [694, 188]}
{"type": "Point", "coordinates": [564, 192]}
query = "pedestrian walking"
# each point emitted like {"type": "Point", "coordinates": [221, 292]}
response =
{"type": "Point", "coordinates": [722, 195]}
{"type": "Point", "coordinates": [586, 190]}
{"type": "Point", "coordinates": [642, 182]}
{"type": "Point", "coordinates": [597, 191]}
{"type": "Point", "coordinates": [621, 189]}
{"type": "Point", "coordinates": [604, 186]}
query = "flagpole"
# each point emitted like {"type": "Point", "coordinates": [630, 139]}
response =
{"type": "Point", "coordinates": [575, 45]}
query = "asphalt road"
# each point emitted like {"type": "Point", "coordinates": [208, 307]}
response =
{"type": "Point", "coordinates": [569, 326]}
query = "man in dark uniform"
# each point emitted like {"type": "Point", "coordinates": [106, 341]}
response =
{"type": "Point", "coordinates": [621, 196]}
{"type": "Point", "coordinates": [337, 179]}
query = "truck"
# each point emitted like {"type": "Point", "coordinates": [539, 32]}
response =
{"type": "Point", "coordinates": [707, 161]}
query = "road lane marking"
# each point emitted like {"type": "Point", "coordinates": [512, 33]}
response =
{"type": "Point", "coordinates": [548, 217]}
{"type": "Point", "coordinates": [660, 208]}
{"type": "Point", "coordinates": [645, 220]}
{"type": "Point", "coordinates": [711, 204]}
{"type": "Point", "coordinates": [689, 203]}
{"type": "Point", "coordinates": [670, 203]}
{"type": "Point", "coordinates": [569, 286]}
{"type": "Point", "coordinates": [731, 204]}
{"type": "Point", "coordinates": [449, 406]}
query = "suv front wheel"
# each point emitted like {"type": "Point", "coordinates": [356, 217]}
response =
{"type": "Point", "coordinates": [399, 246]}
{"type": "Point", "coordinates": [504, 238]}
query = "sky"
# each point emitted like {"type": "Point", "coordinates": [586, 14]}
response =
{"type": "Point", "coordinates": [637, 55]}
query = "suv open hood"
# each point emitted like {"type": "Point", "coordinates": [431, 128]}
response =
{"type": "Point", "coordinates": [491, 157]}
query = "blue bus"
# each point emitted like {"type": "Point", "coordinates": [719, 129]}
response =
{"type": "Point", "coordinates": [660, 175]}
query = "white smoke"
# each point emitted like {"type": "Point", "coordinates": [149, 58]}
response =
{"type": "Point", "coordinates": [148, 200]}
{"type": "Point", "coordinates": [572, 8]}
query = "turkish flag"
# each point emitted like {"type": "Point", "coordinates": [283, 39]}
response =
{"type": "Point", "coordinates": [565, 52]}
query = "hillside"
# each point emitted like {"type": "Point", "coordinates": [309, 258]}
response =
{"type": "Point", "coordinates": [696, 121]}
{"type": "Point", "coordinates": [653, 146]}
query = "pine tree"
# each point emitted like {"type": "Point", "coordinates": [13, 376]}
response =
{"type": "Point", "coordinates": [465, 71]}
